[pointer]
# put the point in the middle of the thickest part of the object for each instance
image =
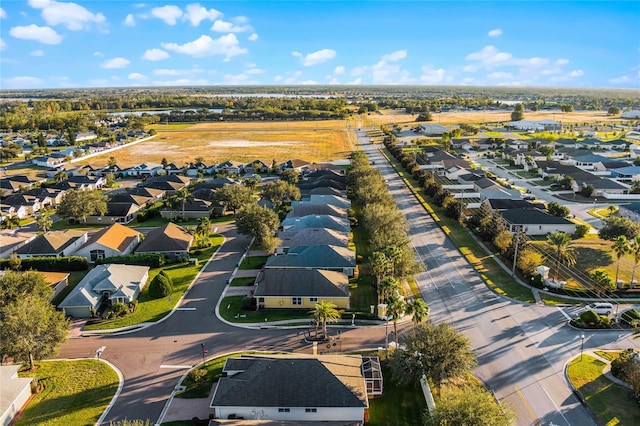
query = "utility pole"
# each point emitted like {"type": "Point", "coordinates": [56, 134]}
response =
{"type": "Point", "coordinates": [515, 255]}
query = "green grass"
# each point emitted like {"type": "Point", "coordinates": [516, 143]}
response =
{"type": "Point", "coordinates": [232, 306]}
{"type": "Point", "coordinates": [398, 406]}
{"type": "Point", "coordinates": [243, 281]}
{"type": "Point", "coordinates": [607, 400]}
{"type": "Point", "coordinates": [64, 224]}
{"type": "Point", "coordinates": [149, 309]}
{"type": "Point", "coordinates": [253, 262]}
{"type": "Point", "coordinates": [362, 293]}
{"type": "Point", "coordinates": [74, 278]}
{"type": "Point", "coordinates": [158, 221]}
{"type": "Point", "coordinates": [75, 393]}
{"type": "Point", "coordinates": [549, 299]}
{"type": "Point", "coordinates": [499, 280]}
{"type": "Point", "coordinates": [608, 355]}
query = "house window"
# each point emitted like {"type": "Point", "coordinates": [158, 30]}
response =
{"type": "Point", "coordinates": [310, 410]}
{"type": "Point", "coordinates": [283, 410]}
{"type": "Point", "coordinates": [96, 254]}
{"type": "Point", "coordinates": [313, 299]}
{"type": "Point", "coordinates": [296, 300]}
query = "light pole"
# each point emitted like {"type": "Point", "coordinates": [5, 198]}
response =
{"type": "Point", "coordinates": [204, 352]}
{"type": "Point", "coordinates": [581, 346]}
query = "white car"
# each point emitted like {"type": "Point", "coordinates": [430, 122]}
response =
{"type": "Point", "coordinates": [600, 308]}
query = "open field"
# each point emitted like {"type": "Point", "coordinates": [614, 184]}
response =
{"type": "Point", "coordinates": [477, 117]}
{"type": "Point", "coordinates": [315, 141]}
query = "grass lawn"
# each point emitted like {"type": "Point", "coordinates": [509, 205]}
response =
{"type": "Point", "coordinates": [398, 406]}
{"type": "Point", "coordinates": [362, 293]}
{"type": "Point", "coordinates": [608, 355]}
{"type": "Point", "coordinates": [158, 221]}
{"type": "Point", "coordinates": [493, 275]}
{"type": "Point", "coordinates": [556, 300]}
{"type": "Point", "coordinates": [75, 393]}
{"type": "Point", "coordinates": [243, 281]}
{"type": "Point", "coordinates": [232, 306]}
{"type": "Point", "coordinates": [74, 278]}
{"type": "Point", "coordinates": [608, 401]}
{"type": "Point", "coordinates": [64, 224]}
{"type": "Point", "coordinates": [149, 309]}
{"type": "Point", "coordinates": [253, 262]}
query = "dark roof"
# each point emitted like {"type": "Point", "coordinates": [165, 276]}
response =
{"type": "Point", "coordinates": [606, 184]}
{"type": "Point", "coordinates": [302, 282]}
{"type": "Point", "coordinates": [121, 209]}
{"type": "Point", "coordinates": [615, 164]}
{"type": "Point", "coordinates": [306, 209]}
{"type": "Point", "coordinates": [169, 237]}
{"type": "Point", "coordinates": [485, 183]}
{"type": "Point", "coordinates": [532, 216]}
{"type": "Point", "coordinates": [504, 204]}
{"type": "Point", "coordinates": [125, 197]}
{"type": "Point", "coordinates": [327, 191]}
{"type": "Point", "coordinates": [320, 173]}
{"type": "Point", "coordinates": [317, 256]}
{"type": "Point", "coordinates": [316, 221]}
{"type": "Point", "coordinates": [293, 381]}
{"type": "Point", "coordinates": [323, 182]}
{"type": "Point", "coordinates": [634, 207]}
{"type": "Point", "coordinates": [313, 237]}
{"type": "Point", "coordinates": [53, 242]}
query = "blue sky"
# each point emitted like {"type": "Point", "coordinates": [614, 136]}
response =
{"type": "Point", "coordinates": [51, 44]}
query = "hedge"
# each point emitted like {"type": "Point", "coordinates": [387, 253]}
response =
{"type": "Point", "coordinates": [50, 263]}
{"type": "Point", "coordinates": [153, 260]}
{"type": "Point", "coordinates": [630, 316]}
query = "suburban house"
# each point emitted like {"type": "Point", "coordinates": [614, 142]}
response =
{"type": "Point", "coordinates": [29, 202]}
{"type": "Point", "coordinates": [536, 222]}
{"type": "Point", "coordinates": [110, 283]}
{"type": "Point", "coordinates": [171, 240]}
{"type": "Point", "coordinates": [293, 388]}
{"type": "Point", "coordinates": [331, 258]}
{"type": "Point", "coordinates": [193, 209]}
{"type": "Point", "coordinates": [145, 169]}
{"type": "Point", "coordinates": [500, 204]}
{"type": "Point", "coordinates": [15, 183]}
{"type": "Point", "coordinates": [627, 174]}
{"type": "Point", "coordinates": [57, 280]}
{"type": "Point", "coordinates": [325, 191]}
{"type": "Point", "coordinates": [316, 221]}
{"type": "Point", "coordinates": [485, 184]}
{"type": "Point", "coordinates": [631, 211]}
{"type": "Point", "coordinates": [433, 129]}
{"type": "Point", "coordinates": [169, 183]}
{"type": "Point", "coordinates": [502, 193]}
{"type": "Point", "coordinates": [231, 167]}
{"type": "Point", "coordinates": [295, 164]}
{"type": "Point", "coordinates": [307, 209]}
{"type": "Point", "coordinates": [116, 213]}
{"type": "Point", "coordinates": [54, 243]}
{"type": "Point", "coordinates": [114, 240]}
{"type": "Point", "coordinates": [13, 239]}
{"type": "Point", "coordinates": [311, 237]}
{"type": "Point", "coordinates": [537, 126]}
{"type": "Point", "coordinates": [16, 391]}
{"type": "Point", "coordinates": [301, 288]}
{"type": "Point", "coordinates": [46, 196]}
{"type": "Point", "coordinates": [607, 186]}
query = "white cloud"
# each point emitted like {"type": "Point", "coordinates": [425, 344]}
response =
{"type": "Point", "coordinates": [576, 73]}
{"type": "Point", "coordinates": [395, 56]}
{"type": "Point", "coordinates": [38, 52]}
{"type": "Point", "coordinates": [236, 79]}
{"type": "Point", "coordinates": [296, 54]}
{"type": "Point", "coordinates": [181, 82]}
{"type": "Point", "coordinates": [254, 71]}
{"type": "Point", "coordinates": [3, 14]}
{"type": "Point", "coordinates": [253, 37]}
{"type": "Point", "coordinates": [387, 71]}
{"type": "Point", "coordinates": [168, 14]}
{"type": "Point", "coordinates": [315, 58]}
{"type": "Point", "coordinates": [339, 70]}
{"type": "Point", "coordinates": [137, 76]}
{"type": "Point", "coordinates": [356, 81]}
{"type": "Point", "coordinates": [155, 55]}
{"type": "Point", "coordinates": [3, 44]}
{"type": "Point", "coordinates": [495, 33]}
{"type": "Point", "coordinates": [196, 14]}
{"type": "Point", "coordinates": [623, 79]}
{"type": "Point", "coordinates": [470, 68]}
{"type": "Point", "coordinates": [537, 61]}
{"type": "Point", "coordinates": [71, 15]}
{"type": "Point", "coordinates": [500, 75]}
{"type": "Point", "coordinates": [226, 46]}
{"type": "Point", "coordinates": [229, 27]}
{"type": "Point", "coordinates": [431, 75]}
{"type": "Point", "coordinates": [562, 61]}
{"type": "Point", "coordinates": [98, 54]}
{"type": "Point", "coordinates": [130, 21]}
{"type": "Point", "coordinates": [22, 82]}
{"type": "Point", "coordinates": [46, 35]}
{"type": "Point", "coordinates": [288, 78]}
{"type": "Point", "coordinates": [308, 82]}
{"type": "Point", "coordinates": [175, 72]}
{"type": "Point", "coordinates": [489, 56]}
{"type": "Point", "coordinates": [358, 71]}
{"type": "Point", "coordinates": [115, 63]}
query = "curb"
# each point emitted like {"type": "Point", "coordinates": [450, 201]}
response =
{"type": "Point", "coordinates": [116, 395]}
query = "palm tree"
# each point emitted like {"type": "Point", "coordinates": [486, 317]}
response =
{"type": "Point", "coordinates": [419, 309]}
{"type": "Point", "coordinates": [563, 253]}
{"type": "Point", "coordinates": [601, 281]}
{"type": "Point", "coordinates": [387, 288]}
{"type": "Point", "coordinates": [635, 251]}
{"type": "Point", "coordinates": [620, 248]}
{"type": "Point", "coordinates": [396, 307]}
{"type": "Point", "coordinates": [44, 222]}
{"type": "Point", "coordinates": [183, 196]}
{"type": "Point", "coordinates": [10, 222]}
{"type": "Point", "coordinates": [61, 175]}
{"type": "Point", "coordinates": [323, 313]}
{"type": "Point", "coordinates": [612, 208]}
{"type": "Point", "coordinates": [380, 266]}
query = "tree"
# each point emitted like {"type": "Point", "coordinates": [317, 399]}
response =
{"type": "Point", "coordinates": [10, 222]}
{"type": "Point", "coordinates": [233, 197]}
{"type": "Point", "coordinates": [16, 285]}
{"type": "Point", "coordinates": [556, 209]}
{"type": "Point", "coordinates": [418, 308]}
{"type": "Point", "coordinates": [620, 248]}
{"type": "Point", "coordinates": [438, 352]}
{"type": "Point", "coordinates": [291, 176]}
{"type": "Point", "coordinates": [323, 313]}
{"type": "Point", "coordinates": [44, 222]}
{"type": "Point", "coordinates": [518, 112]}
{"type": "Point", "coordinates": [31, 329]}
{"type": "Point", "coordinates": [468, 406]}
{"type": "Point", "coordinates": [259, 222]}
{"type": "Point", "coordinates": [160, 286]}
{"type": "Point", "coordinates": [503, 241]}
{"type": "Point", "coordinates": [182, 197]}
{"type": "Point", "coordinates": [61, 176]}
{"type": "Point", "coordinates": [634, 249]}
{"type": "Point", "coordinates": [562, 252]}
{"type": "Point", "coordinates": [280, 192]}
{"type": "Point", "coordinates": [379, 265]}
{"type": "Point", "coordinates": [581, 230]}
{"type": "Point", "coordinates": [566, 182]}
{"type": "Point", "coordinates": [618, 225]}
{"type": "Point", "coordinates": [80, 203]}
{"type": "Point", "coordinates": [613, 110]}
{"type": "Point", "coordinates": [528, 260]}
{"type": "Point", "coordinates": [601, 281]}
{"type": "Point", "coordinates": [387, 288]}
{"type": "Point", "coordinates": [112, 162]}
{"type": "Point", "coordinates": [396, 307]}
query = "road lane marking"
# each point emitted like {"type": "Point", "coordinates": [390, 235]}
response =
{"type": "Point", "coordinates": [526, 405]}
{"type": "Point", "coordinates": [176, 367]}
{"type": "Point", "coordinates": [185, 309]}
{"type": "Point", "coordinates": [566, 315]}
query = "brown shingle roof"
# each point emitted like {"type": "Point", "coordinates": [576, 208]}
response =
{"type": "Point", "coordinates": [169, 237]}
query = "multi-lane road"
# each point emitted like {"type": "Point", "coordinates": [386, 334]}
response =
{"type": "Point", "coordinates": [521, 349]}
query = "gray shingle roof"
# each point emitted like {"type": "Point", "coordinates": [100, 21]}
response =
{"type": "Point", "coordinates": [321, 257]}
{"type": "Point", "coordinates": [294, 381]}
{"type": "Point", "coordinates": [533, 216]}
{"type": "Point", "coordinates": [307, 208]}
{"type": "Point", "coordinates": [302, 282]}
{"type": "Point", "coordinates": [316, 221]}
{"type": "Point", "coordinates": [314, 237]}
{"type": "Point", "coordinates": [167, 238]}
{"type": "Point", "coordinates": [51, 243]}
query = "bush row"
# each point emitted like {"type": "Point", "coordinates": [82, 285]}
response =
{"type": "Point", "coordinates": [50, 263]}
{"type": "Point", "coordinates": [153, 260]}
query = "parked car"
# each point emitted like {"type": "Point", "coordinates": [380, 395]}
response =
{"type": "Point", "coordinates": [600, 308]}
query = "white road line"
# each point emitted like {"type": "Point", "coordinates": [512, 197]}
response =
{"type": "Point", "coordinates": [176, 367]}
{"type": "Point", "coordinates": [185, 309]}
{"type": "Point", "coordinates": [566, 315]}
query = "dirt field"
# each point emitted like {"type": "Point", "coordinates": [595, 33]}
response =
{"type": "Point", "coordinates": [312, 141]}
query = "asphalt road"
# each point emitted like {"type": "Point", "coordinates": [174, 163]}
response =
{"type": "Point", "coordinates": [521, 349]}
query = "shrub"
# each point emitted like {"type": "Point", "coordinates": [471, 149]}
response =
{"type": "Point", "coordinates": [590, 317]}
{"type": "Point", "coordinates": [581, 231]}
{"type": "Point", "coordinates": [248, 303]}
{"type": "Point", "coordinates": [164, 274]}
{"type": "Point", "coordinates": [50, 263]}
{"type": "Point", "coordinates": [119, 309]}
{"type": "Point", "coordinates": [152, 260]}
{"type": "Point", "coordinates": [133, 305]}
{"type": "Point", "coordinates": [624, 364]}
{"type": "Point", "coordinates": [630, 316]}
{"type": "Point", "coordinates": [160, 287]}
{"type": "Point", "coordinates": [197, 374]}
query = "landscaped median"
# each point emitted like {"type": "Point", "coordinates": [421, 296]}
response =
{"type": "Point", "coordinates": [150, 309]}
{"type": "Point", "coordinates": [70, 393]}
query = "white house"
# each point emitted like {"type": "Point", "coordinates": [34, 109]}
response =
{"type": "Point", "coordinates": [633, 114]}
{"type": "Point", "coordinates": [16, 391]}
{"type": "Point", "coordinates": [114, 240]}
{"type": "Point", "coordinates": [536, 222]}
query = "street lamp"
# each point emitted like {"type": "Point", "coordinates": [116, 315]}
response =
{"type": "Point", "coordinates": [581, 346]}
{"type": "Point", "coordinates": [204, 352]}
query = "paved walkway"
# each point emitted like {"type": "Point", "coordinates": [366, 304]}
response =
{"type": "Point", "coordinates": [188, 408]}
{"type": "Point", "coordinates": [607, 370]}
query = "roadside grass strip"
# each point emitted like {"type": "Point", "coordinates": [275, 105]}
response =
{"type": "Point", "coordinates": [608, 401]}
{"type": "Point", "coordinates": [73, 393]}
{"type": "Point", "coordinates": [253, 262]}
{"type": "Point", "coordinates": [398, 406]}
